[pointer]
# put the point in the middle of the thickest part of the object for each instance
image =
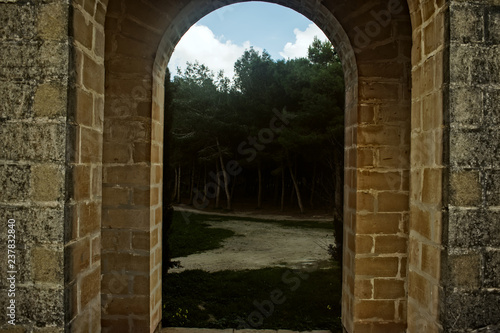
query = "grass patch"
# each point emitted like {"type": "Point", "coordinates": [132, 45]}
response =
{"type": "Point", "coordinates": [242, 299]}
{"type": "Point", "coordinates": [194, 236]}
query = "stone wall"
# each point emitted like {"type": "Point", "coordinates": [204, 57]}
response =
{"type": "Point", "coordinates": [34, 84]}
{"type": "Point", "coordinates": [132, 171]}
{"type": "Point", "coordinates": [471, 233]}
{"type": "Point", "coordinates": [428, 61]}
{"type": "Point", "coordinates": [81, 122]}
{"type": "Point", "coordinates": [84, 154]}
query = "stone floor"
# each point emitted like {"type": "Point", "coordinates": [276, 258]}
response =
{"type": "Point", "coordinates": [230, 330]}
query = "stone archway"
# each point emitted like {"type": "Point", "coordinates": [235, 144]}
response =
{"type": "Point", "coordinates": [97, 103]}
{"type": "Point", "coordinates": [80, 124]}
{"type": "Point", "coordinates": [371, 39]}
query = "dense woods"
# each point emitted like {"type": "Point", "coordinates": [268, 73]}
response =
{"type": "Point", "coordinates": [272, 136]}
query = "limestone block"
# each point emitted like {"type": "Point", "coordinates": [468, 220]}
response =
{"type": "Point", "coordinates": [50, 100]}
{"type": "Point", "coordinates": [15, 182]}
{"type": "Point", "coordinates": [465, 188]}
{"type": "Point", "coordinates": [53, 20]}
{"type": "Point", "coordinates": [33, 141]}
{"type": "Point", "coordinates": [47, 265]}
{"type": "Point", "coordinates": [17, 22]}
{"type": "Point", "coordinates": [16, 100]}
{"type": "Point", "coordinates": [467, 23]}
{"type": "Point", "coordinates": [464, 271]}
{"type": "Point", "coordinates": [470, 310]}
{"type": "Point", "coordinates": [473, 228]}
{"type": "Point", "coordinates": [47, 181]}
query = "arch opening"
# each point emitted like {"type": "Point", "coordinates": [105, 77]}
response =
{"type": "Point", "coordinates": [376, 139]}
{"type": "Point", "coordinates": [335, 33]}
{"type": "Point", "coordinates": [184, 171]}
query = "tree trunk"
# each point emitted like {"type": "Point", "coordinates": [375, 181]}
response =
{"type": "Point", "coordinates": [296, 186]}
{"type": "Point", "coordinates": [275, 189]}
{"type": "Point", "coordinates": [282, 186]}
{"type": "Point", "coordinates": [205, 188]}
{"type": "Point", "coordinates": [313, 182]}
{"type": "Point", "coordinates": [174, 194]}
{"type": "Point", "coordinates": [217, 194]}
{"type": "Point", "coordinates": [191, 189]}
{"type": "Point", "coordinates": [179, 185]}
{"type": "Point", "coordinates": [233, 185]}
{"type": "Point", "coordinates": [259, 195]}
{"type": "Point", "coordinates": [198, 181]}
{"type": "Point", "coordinates": [292, 192]}
{"type": "Point", "coordinates": [226, 178]}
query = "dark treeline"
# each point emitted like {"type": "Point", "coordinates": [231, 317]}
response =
{"type": "Point", "coordinates": [273, 135]}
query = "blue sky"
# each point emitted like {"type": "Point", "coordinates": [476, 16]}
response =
{"type": "Point", "coordinates": [221, 37]}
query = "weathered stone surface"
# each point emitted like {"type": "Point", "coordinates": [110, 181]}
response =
{"type": "Point", "coordinates": [472, 234]}
{"type": "Point", "coordinates": [492, 108]}
{"type": "Point", "coordinates": [13, 329]}
{"type": "Point", "coordinates": [15, 182]}
{"type": "Point", "coordinates": [19, 60]}
{"type": "Point", "coordinates": [465, 188]}
{"type": "Point", "coordinates": [492, 269]}
{"type": "Point", "coordinates": [33, 141]}
{"type": "Point", "coordinates": [23, 260]}
{"type": "Point", "coordinates": [47, 182]}
{"type": "Point", "coordinates": [464, 271]}
{"type": "Point", "coordinates": [492, 186]}
{"type": "Point", "coordinates": [48, 330]}
{"type": "Point", "coordinates": [47, 265]}
{"type": "Point", "coordinates": [460, 62]}
{"type": "Point", "coordinates": [50, 100]}
{"type": "Point", "coordinates": [41, 305]}
{"type": "Point", "coordinates": [35, 304]}
{"type": "Point", "coordinates": [473, 228]}
{"type": "Point", "coordinates": [53, 20]}
{"type": "Point", "coordinates": [17, 100]}
{"type": "Point", "coordinates": [488, 329]}
{"type": "Point", "coordinates": [466, 105]}
{"type": "Point", "coordinates": [467, 23]}
{"type": "Point", "coordinates": [493, 25]}
{"type": "Point", "coordinates": [36, 53]}
{"type": "Point", "coordinates": [468, 148]}
{"type": "Point", "coordinates": [41, 225]}
{"type": "Point", "coordinates": [54, 58]}
{"type": "Point", "coordinates": [17, 22]}
{"type": "Point", "coordinates": [469, 310]}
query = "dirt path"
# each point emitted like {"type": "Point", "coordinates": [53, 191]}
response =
{"type": "Point", "coordinates": [259, 214]}
{"type": "Point", "coordinates": [258, 245]}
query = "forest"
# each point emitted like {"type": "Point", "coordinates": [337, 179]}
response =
{"type": "Point", "coordinates": [270, 137]}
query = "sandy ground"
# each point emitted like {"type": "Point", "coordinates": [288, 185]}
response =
{"type": "Point", "coordinates": [267, 214]}
{"type": "Point", "coordinates": [258, 245]}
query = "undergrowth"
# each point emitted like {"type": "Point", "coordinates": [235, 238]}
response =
{"type": "Point", "coordinates": [268, 298]}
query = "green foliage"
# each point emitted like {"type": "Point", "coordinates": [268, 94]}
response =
{"type": "Point", "coordinates": [194, 236]}
{"type": "Point", "coordinates": [309, 300]}
{"type": "Point", "coordinates": [210, 109]}
{"type": "Point", "coordinates": [322, 53]}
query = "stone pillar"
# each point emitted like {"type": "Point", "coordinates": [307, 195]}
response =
{"type": "Point", "coordinates": [85, 123]}
{"type": "Point", "coordinates": [454, 232]}
{"type": "Point", "coordinates": [471, 234]}
{"type": "Point", "coordinates": [132, 170]}
{"type": "Point", "coordinates": [34, 85]}
{"type": "Point", "coordinates": [428, 54]}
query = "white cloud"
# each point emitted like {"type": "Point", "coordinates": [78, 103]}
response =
{"type": "Point", "coordinates": [200, 44]}
{"type": "Point", "coordinates": [302, 41]}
